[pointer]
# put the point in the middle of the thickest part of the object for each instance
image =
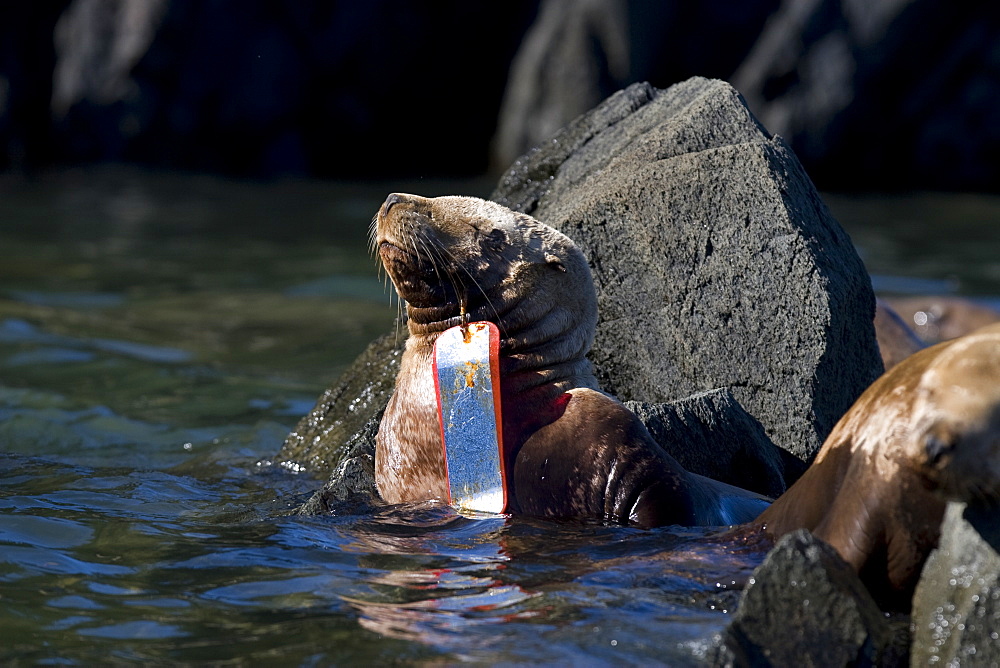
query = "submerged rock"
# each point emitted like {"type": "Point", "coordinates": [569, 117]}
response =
{"type": "Point", "coordinates": [805, 606]}
{"type": "Point", "coordinates": [710, 434]}
{"type": "Point", "coordinates": [956, 606]}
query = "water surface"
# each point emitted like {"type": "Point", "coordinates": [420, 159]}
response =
{"type": "Point", "coordinates": [160, 334]}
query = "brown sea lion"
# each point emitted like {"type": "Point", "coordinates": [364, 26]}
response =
{"type": "Point", "coordinates": [940, 318]}
{"type": "Point", "coordinates": [570, 450]}
{"type": "Point", "coordinates": [896, 341]}
{"type": "Point", "coordinates": [926, 432]}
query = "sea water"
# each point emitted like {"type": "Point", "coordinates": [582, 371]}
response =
{"type": "Point", "coordinates": [159, 336]}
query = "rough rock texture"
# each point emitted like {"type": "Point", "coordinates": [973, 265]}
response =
{"type": "Point", "coordinates": [804, 585]}
{"type": "Point", "coordinates": [354, 478]}
{"type": "Point", "coordinates": [824, 74]}
{"type": "Point", "coordinates": [585, 50]}
{"type": "Point", "coordinates": [900, 93]}
{"type": "Point", "coordinates": [577, 53]}
{"type": "Point", "coordinates": [716, 262]}
{"type": "Point", "coordinates": [343, 414]}
{"type": "Point", "coordinates": [710, 434]}
{"type": "Point", "coordinates": [956, 607]}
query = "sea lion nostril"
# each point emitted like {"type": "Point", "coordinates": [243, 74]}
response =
{"type": "Point", "coordinates": [394, 198]}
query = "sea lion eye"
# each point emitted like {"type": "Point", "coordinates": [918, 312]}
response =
{"type": "Point", "coordinates": [937, 449]}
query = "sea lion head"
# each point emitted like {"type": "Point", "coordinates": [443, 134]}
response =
{"type": "Point", "coordinates": [956, 411]}
{"type": "Point", "coordinates": [451, 258]}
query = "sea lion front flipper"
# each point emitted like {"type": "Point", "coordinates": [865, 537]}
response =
{"type": "Point", "coordinates": [721, 504]}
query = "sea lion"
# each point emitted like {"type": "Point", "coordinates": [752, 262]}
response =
{"type": "Point", "coordinates": [939, 318]}
{"type": "Point", "coordinates": [896, 341]}
{"type": "Point", "coordinates": [570, 450]}
{"type": "Point", "coordinates": [926, 432]}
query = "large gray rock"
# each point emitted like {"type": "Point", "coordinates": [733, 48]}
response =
{"type": "Point", "coordinates": [716, 262]}
{"type": "Point", "coordinates": [805, 606]}
{"type": "Point", "coordinates": [956, 606]}
{"type": "Point", "coordinates": [710, 434]}
{"type": "Point", "coordinates": [717, 266]}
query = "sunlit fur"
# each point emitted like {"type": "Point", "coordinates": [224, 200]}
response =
{"type": "Point", "coordinates": [957, 433]}
{"type": "Point", "coordinates": [926, 432]}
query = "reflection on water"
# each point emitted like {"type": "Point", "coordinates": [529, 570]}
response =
{"type": "Point", "coordinates": [159, 334]}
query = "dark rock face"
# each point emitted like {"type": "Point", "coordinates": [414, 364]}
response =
{"type": "Point", "coordinates": [710, 434]}
{"type": "Point", "coordinates": [869, 95]}
{"type": "Point", "coordinates": [353, 480]}
{"type": "Point", "coordinates": [899, 94]}
{"type": "Point", "coordinates": [577, 53]}
{"type": "Point", "coordinates": [261, 88]}
{"type": "Point", "coordinates": [584, 46]}
{"type": "Point", "coordinates": [716, 262]}
{"type": "Point", "coordinates": [804, 585]}
{"type": "Point", "coordinates": [886, 95]}
{"type": "Point", "coordinates": [956, 607]}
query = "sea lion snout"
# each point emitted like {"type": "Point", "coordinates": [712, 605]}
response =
{"type": "Point", "coordinates": [394, 198]}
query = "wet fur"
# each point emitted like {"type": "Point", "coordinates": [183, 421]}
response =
{"type": "Point", "coordinates": [927, 431]}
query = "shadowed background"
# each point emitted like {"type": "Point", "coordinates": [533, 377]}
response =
{"type": "Point", "coordinates": [870, 95]}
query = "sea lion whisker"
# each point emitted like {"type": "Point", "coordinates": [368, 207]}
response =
{"type": "Point", "coordinates": [373, 235]}
{"type": "Point", "coordinates": [411, 236]}
{"type": "Point", "coordinates": [436, 252]}
{"type": "Point", "coordinates": [489, 302]}
{"type": "Point", "coordinates": [429, 254]}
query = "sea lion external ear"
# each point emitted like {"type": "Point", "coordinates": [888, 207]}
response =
{"type": "Point", "coordinates": [496, 240]}
{"type": "Point", "coordinates": [555, 262]}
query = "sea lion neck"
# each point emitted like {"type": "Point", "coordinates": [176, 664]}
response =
{"type": "Point", "coordinates": [540, 342]}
